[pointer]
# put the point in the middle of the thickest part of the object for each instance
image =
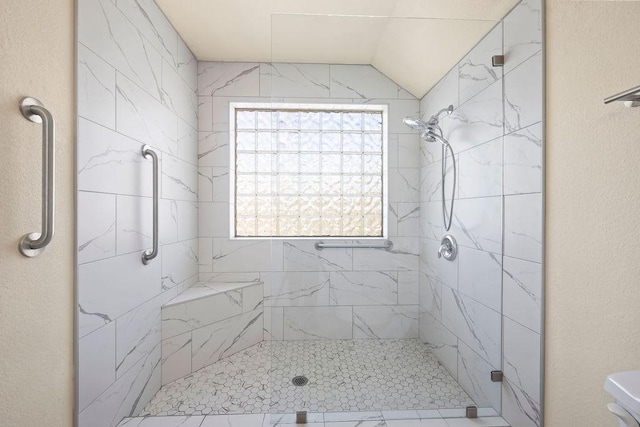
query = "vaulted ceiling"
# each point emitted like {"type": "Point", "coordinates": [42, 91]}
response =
{"type": "Point", "coordinates": [413, 42]}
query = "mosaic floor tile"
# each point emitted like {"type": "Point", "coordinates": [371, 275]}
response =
{"type": "Point", "coordinates": [344, 376]}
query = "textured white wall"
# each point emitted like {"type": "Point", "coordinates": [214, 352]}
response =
{"type": "Point", "coordinates": [593, 177]}
{"type": "Point", "coordinates": [36, 294]}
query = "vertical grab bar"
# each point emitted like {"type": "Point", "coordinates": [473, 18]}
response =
{"type": "Point", "coordinates": [33, 244]}
{"type": "Point", "coordinates": [147, 256]}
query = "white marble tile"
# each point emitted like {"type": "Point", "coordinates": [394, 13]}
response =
{"type": "Point", "coordinates": [252, 297]}
{"type": "Point", "coordinates": [428, 413]}
{"type": "Point", "coordinates": [522, 33]}
{"type": "Point", "coordinates": [309, 323]}
{"type": "Point", "coordinates": [364, 288]}
{"type": "Point", "coordinates": [179, 262]}
{"type": "Point", "coordinates": [477, 223]}
{"type": "Point", "coordinates": [147, 18]}
{"type": "Point", "coordinates": [214, 219]}
{"type": "Point", "coordinates": [227, 281]}
{"type": "Point", "coordinates": [96, 88]}
{"type": "Point", "coordinates": [478, 120]}
{"type": "Point", "coordinates": [480, 277]}
{"type": "Point", "coordinates": [392, 149]}
{"type": "Point", "coordinates": [443, 94]}
{"type": "Point", "coordinates": [135, 229]}
{"type": "Point", "coordinates": [400, 415]}
{"type": "Point", "coordinates": [294, 80]}
{"type": "Point", "coordinates": [408, 151]}
{"type": "Point", "coordinates": [522, 358]}
{"type": "Point", "coordinates": [431, 181]}
{"type": "Point", "coordinates": [96, 226]}
{"type": "Point", "coordinates": [138, 332]}
{"type": "Point", "coordinates": [222, 339]}
{"type": "Point", "coordinates": [392, 220]}
{"type": "Point", "coordinates": [247, 255]}
{"type": "Point", "coordinates": [187, 65]}
{"type": "Point", "coordinates": [205, 255]}
{"type": "Point", "coordinates": [523, 227]}
{"type": "Point", "coordinates": [185, 317]}
{"type": "Point", "coordinates": [179, 179]}
{"type": "Point", "coordinates": [403, 256]}
{"type": "Point", "coordinates": [187, 142]}
{"type": "Point", "coordinates": [176, 357]}
{"type": "Point", "coordinates": [178, 96]}
{"type": "Point", "coordinates": [274, 323]}
{"type": "Point", "coordinates": [248, 420]}
{"type": "Point", "coordinates": [330, 417]}
{"type": "Point", "coordinates": [431, 220]}
{"type": "Point", "coordinates": [438, 269]}
{"type": "Point", "coordinates": [228, 79]}
{"type": "Point", "coordinates": [475, 70]}
{"type": "Point", "coordinates": [518, 408]}
{"type": "Point", "coordinates": [523, 161]}
{"type": "Point", "coordinates": [417, 423]}
{"type": "Point", "coordinates": [104, 29]}
{"type": "Point", "coordinates": [360, 81]}
{"type": "Point", "coordinates": [188, 224]}
{"type": "Point", "coordinates": [301, 255]}
{"type": "Point", "coordinates": [213, 149]}
{"type": "Point", "coordinates": [205, 113]}
{"type": "Point", "coordinates": [408, 219]}
{"type": "Point", "coordinates": [523, 94]}
{"type": "Point", "coordinates": [486, 422]}
{"type": "Point", "coordinates": [127, 396]}
{"type": "Point", "coordinates": [167, 221]}
{"type": "Point", "coordinates": [408, 287]}
{"type": "Point", "coordinates": [522, 294]}
{"type": "Point", "coordinates": [430, 298]}
{"type": "Point", "coordinates": [399, 321]}
{"type": "Point", "coordinates": [111, 287]}
{"type": "Point", "coordinates": [111, 163]}
{"type": "Point", "coordinates": [480, 170]}
{"type": "Point", "coordinates": [476, 325]}
{"type": "Point", "coordinates": [398, 109]}
{"type": "Point", "coordinates": [170, 421]}
{"type": "Point", "coordinates": [144, 118]}
{"type": "Point", "coordinates": [205, 184]}
{"type": "Point", "coordinates": [296, 288]}
{"type": "Point", "coordinates": [474, 377]}
{"type": "Point", "coordinates": [440, 341]}
{"type": "Point", "coordinates": [96, 363]}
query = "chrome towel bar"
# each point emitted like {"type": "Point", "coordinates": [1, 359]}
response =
{"type": "Point", "coordinates": [147, 256]}
{"type": "Point", "coordinates": [33, 244]}
{"type": "Point", "coordinates": [387, 245]}
{"type": "Point", "coordinates": [630, 95]}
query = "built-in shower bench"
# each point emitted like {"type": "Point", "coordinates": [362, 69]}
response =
{"type": "Point", "coordinates": [208, 322]}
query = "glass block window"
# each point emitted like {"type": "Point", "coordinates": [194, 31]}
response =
{"type": "Point", "coordinates": [308, 171]}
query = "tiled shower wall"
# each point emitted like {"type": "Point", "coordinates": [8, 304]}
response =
{"type": "Point", "coordinates": [482, 312]}
{"type": "Point", "coordinates": [136, 85]}
{"type": "Point", "coordinates": [310, 294]}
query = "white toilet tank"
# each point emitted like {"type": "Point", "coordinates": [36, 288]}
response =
{"type": "Point", "coordinates": [625, 388]}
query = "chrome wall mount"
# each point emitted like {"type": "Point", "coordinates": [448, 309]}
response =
{"type": "Point", "coordinates": [448, 248]}
{"type": "Point", "coordinates": [148, 255]}
{"type": "Point", "coordinates": [497, 61]}
{"type": "Point", "coordinates": [33, 244]}
{"type": "Point", "coordinates": [387, 245]}
{"type": "Point", "coordinates": [630, 97]}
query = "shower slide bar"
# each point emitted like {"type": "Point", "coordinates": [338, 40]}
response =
{"type": "Point", "coordinates": [387, 245]}
{"type": "Point", "coordinates": [630, 95]}
{"type": "Point", "coordinates": [33, 244]}
{"type": "Point", "coordinates": [148, 255]}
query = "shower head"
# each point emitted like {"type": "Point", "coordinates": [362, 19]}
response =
{"type": "Point", "coordinates": [416, 124]}
{"type": "Point", "coordinates": [436, 117]}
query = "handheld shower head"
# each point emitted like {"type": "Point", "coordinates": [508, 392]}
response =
{"type": "Point", "coordinates": [436, 117]}
{"type": "Point", "coordinates": [415, 124]}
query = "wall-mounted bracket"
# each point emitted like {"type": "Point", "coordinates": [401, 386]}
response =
{"type": "Point", "coordinates": [471, 412]}
{"type": "Point", "coordinates": [496, 376]}
{"type": "Point", "coordinates": [497, 60]}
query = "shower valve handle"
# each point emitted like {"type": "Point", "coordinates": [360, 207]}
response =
{"type": "Point", "coordinates": [448, 248]}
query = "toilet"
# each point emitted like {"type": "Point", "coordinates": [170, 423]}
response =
{"type": "Point", "coordinates": [625, 388]}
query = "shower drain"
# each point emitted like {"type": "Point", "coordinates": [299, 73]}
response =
{"type": "Point", "coordinates": [300, 380]}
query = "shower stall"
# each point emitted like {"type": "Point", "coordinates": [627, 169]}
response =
{"type": "Point", "coordinates": [266, 242]}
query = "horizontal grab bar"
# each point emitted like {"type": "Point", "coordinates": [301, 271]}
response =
{"type": "Point", "coordinates": [632, 94]}
{"type": "Point", "coordinates": [387, 245]}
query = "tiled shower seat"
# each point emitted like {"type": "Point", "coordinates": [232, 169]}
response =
{"type": "Point", "coordinates": [208, 322]}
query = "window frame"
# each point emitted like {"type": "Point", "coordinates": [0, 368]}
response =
{"type": "Point", "coordinates": [276, 106]}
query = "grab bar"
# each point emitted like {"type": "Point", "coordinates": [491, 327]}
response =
{"type": "Point", "coordinates": [33, 244]}
{"type": "Point", "coordinates": [386, 245]}
{"type": "Point", "coordinates": [147, 256]}
{"type": "Point", "coordinates": [629, 95]}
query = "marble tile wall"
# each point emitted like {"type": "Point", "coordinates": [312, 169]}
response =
{"type": "Point", "coordinates": [483, 312]}
{"type": "Point", "coordinates": [311, 294]}
{"type": "Point", "coordinates": [136, 85]}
